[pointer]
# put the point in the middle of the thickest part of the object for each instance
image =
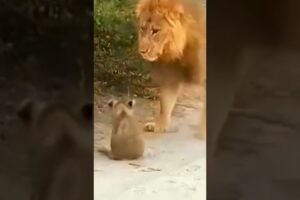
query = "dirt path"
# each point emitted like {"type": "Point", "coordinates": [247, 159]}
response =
{"type": "Point", "coordinates": [174, 164]}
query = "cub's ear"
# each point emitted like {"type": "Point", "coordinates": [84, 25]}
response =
{"type": "Point", "coordinates": [112, 103]}
{"type": "Point", "coordinates": [87, 111]}
{"type": "Point", "coordinates": [131, 103]}
{"type": "Point", "coordinates": [25, 110]}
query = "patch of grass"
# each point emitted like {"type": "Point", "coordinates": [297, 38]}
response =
{"type": "Point", "coordinates": [117, 63]}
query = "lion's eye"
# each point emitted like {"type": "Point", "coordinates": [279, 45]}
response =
{"type": "Point", "coordinates": [155, 30]}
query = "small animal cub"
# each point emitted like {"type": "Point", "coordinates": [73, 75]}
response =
{"type": "Point", "coordinates": [127, 141]}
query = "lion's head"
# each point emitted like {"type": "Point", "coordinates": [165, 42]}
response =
{"type": "Point", "coordinates": [163, 29]}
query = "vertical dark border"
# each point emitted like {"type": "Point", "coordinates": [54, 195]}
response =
{"type": "Point", "coordinates": [45, 46]}
{"type": "Point", "coordinates": [253, 61]}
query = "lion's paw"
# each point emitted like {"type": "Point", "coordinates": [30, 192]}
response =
{"type": "Point", "coordinates": [149, 126]}
{"type": "Point", "coordinates": [155, 127]}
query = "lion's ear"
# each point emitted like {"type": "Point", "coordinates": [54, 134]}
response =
{"type": "Point", "coordinates": [141, 7]}
{"type": "Point", "coordinates": [178, 7]}
{"type": "Point", "coordinates": [174, 5]}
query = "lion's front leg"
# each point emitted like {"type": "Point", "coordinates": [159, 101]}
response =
{"type": "Point", "coordinates": [168, 98]}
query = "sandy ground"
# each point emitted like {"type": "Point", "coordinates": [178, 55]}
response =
{"type": "Point", "coordinates": [174, 164]}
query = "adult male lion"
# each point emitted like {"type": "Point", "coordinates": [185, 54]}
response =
{"type": "Point", "coordinates": [172, 36]}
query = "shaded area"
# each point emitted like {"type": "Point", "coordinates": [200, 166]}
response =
{"type": "Point", "coordinates": [253, 87]}
{"type": "Point", "coordinates": [46, 53]}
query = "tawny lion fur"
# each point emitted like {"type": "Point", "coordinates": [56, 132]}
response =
{"type": "Point", "coordinates": [172, 36]}
{"type": "Point", "coordinates": [127, 141]}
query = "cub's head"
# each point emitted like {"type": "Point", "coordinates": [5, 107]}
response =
{"type": "Point", "coordinates": [162, 30]}
{"type": "Point", "coordinates": [121, 107]}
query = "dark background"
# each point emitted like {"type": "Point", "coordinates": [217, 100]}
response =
{"type": "Point", "coordinates": [253, 100]}
{"type": "Point", "coordinates": [46, 51]}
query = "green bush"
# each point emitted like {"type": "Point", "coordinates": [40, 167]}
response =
{"type": "Point", "coordinates": [117, 63]}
